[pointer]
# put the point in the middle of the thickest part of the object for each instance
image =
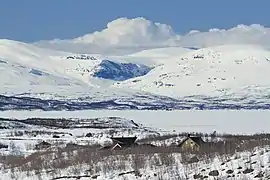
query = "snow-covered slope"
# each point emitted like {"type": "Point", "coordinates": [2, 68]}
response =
{"type": "Point", "coordinates": [24, 67]}
{"type": "Point", "coordinates": [219, 70]}
{"type": "Point", "coordinates": [156, 56]}
{"type": "Point", "coordinates": [228, 76]}
{"type": "Point", "coordinates": [162, 52]}
{"type": "Point", "coordinates": [36, 78]}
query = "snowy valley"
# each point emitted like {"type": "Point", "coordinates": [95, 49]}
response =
{"type": "Point", "coordinates": [62, 103]}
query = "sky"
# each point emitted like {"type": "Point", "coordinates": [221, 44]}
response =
{"type": "Point", "coordinates": [32, 20]}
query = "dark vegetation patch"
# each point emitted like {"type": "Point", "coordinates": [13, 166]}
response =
{"type": "Point", "coordinates": [38, 72]}
{"type": "Point", "coordinates": [147, 102]}
{"type": "Point", "coordinates": [3, 62]}
{"type": "Point", "coordinates": [120, 71]}
{"type": "Point", "coordinates": [69, 123]}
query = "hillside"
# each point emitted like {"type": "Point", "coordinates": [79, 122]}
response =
{"type": "Point", "coordinates": [26, 68]}
{"type": "Point", "coordinates": [228, 76]}
{"type": "Point", "coordinates": [36, 78]}
{"type": "Point", "coordinates": [214, 71]}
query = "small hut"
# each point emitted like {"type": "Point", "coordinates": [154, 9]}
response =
{"type": "Point", "coordinates": [123, 142]}
{"type": "Point", "coordinates": [193, 143]}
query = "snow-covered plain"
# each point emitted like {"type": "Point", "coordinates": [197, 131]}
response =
{"type": "Point", "coordinates": [23, 134]}
{"type": "Point", "coordinates": [221, 121]}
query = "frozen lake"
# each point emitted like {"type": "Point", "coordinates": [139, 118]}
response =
{"type": "Point", "coordinates": [222, 121]}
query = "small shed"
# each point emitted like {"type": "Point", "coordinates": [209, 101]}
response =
{"type": "Point", "coordinates": [193, 143]}
{"type": "Point", "coordinates": [123, 142]}
{"type": "Point", "coordinates": [42, 145]}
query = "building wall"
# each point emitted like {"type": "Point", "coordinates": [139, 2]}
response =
{"type": "Point", "coordinates": [190, 145]}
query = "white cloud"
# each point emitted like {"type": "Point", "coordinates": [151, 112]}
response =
{"type": "Point", "coordinates": [241, 34]}
{"type": "Point", "coordinates": [125, 35]}
{"type": "Point", "coordinates": [130, 32]}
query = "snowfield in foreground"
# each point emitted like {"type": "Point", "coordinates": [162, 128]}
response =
{"type": "Point", "coordinates": [72, 134]}
{"type": "Point", "coordinates": [243, 165]}
{"type": "Point", "coordinates": [69, 152]}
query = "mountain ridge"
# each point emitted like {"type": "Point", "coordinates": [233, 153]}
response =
{"type": "Point", "coordinates": [207, 71]}
{"type": "Point", "coordinates": [183, 78]}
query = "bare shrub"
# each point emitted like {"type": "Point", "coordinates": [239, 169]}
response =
{"type": "Point", "coordinates": [155, 161]}
{"type": "Point", "coordinates": [160, 175]}
{"type": "Point", "coordinates": [139, 157]}
{"type": "Point", "coordinates": [18, 133]}
{"type": "Point", "coordinates": [138, 162]}
{"type": "Point", "coordinates": [167, 159]}
{"type": "Point", "coordinates": [157, 138]}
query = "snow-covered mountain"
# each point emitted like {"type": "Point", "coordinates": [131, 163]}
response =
{"type": "Point", "coordinates": [24, 66]}
{"type": "Point", "coordinates": [37, 78]}
{"type": "Point", "coordinates": [228, 76]}
{"type": "Point", "coordinates": [214, 71]}
{"type": "Point", "coordinates": [146, 65]}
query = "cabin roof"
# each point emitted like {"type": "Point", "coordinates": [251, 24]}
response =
{"type": "Point", "coordinates": [124, 140]}
{"type": "Point", "coordinates": [198, 140]}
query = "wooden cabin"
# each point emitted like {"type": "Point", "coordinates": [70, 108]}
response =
{"type": "Point", "coordinates": [192, 143]}
{"type": "Point", "coordinates": [123, 142]}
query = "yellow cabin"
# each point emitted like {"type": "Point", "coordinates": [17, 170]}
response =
{"type": "Point", "coordinates": [191, 143]}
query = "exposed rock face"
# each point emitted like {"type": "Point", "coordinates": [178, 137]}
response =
{"type": "Point", "coordinates": [214, 173]}
{"type": "Point", "coordinates": [120, 71]}
{"type": "Point", "coordinates": [247, 171]}
{"type": "Point", "coordinates": [229, 171]}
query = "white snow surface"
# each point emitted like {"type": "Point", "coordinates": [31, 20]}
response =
{"type": "Point", "coordinates": [27, 69]}
{"type": "Point", "coordinates": [207, 121]}
{"type": "Point", "coordinates": [214, 71]}
{"type": "Point", "coordinates": [177, 72]}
